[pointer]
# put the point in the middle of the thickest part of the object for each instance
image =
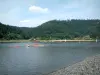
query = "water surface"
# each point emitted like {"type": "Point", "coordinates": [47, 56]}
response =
{"type": "Point", "coordinates": [18, 59]}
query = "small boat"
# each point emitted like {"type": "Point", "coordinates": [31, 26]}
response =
{"type": "Point", "coordinates": [35, 45]}
{"type": "Point", "coordinates": [41, 45]}
{"type": "Point", "coordinates": [96, 40]}
{"type": "Point", "coordinates": [27, 45]}
{"type": "Point", "coordinates": [38, 45]}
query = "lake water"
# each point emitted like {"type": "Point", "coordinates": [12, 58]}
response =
{"type": "Point", "coordinates": [18, 59]}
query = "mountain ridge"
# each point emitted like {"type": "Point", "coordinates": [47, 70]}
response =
{"type": "Point", "coordinates": [53, 29]}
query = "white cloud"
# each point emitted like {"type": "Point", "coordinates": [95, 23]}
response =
{"type": "Point", "coordinates": [38, 9]}
{"type": "Point", "coordinates": [33, 22]}
{"type": "Point", "coordinates": [16, 13]}
{"type": "Point", "coordinates": [24, 21]}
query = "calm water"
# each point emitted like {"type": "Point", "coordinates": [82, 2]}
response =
{"type": "Point", "coordinates": [17, 59]}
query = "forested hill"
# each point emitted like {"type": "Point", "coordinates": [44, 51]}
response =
{"type": "Point", "coordinates": [12, 32]}
{"type": "Point", "coordinates": [54, 29]}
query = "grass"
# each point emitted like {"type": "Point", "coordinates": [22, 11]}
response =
{"type": "Point", "coordinates": [14, 40]}
{"type": "Point", "coordinates": [48, 40]}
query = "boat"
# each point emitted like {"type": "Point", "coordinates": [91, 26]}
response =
{"type": "Point", "coordinates": [38, 45]}
{"type": "Point", "coordinates": [96, 40]}
{"type": "Point", "coordinates": [27, 45]}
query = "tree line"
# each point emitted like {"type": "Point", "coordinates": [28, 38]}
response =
{"type": "Point", "coordinates": [54, 29]}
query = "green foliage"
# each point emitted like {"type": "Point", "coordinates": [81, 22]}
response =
{"type": "Point", "coordinates": [10, 32]}
{"type": "Point", "coordinates": [69, 29]}
{"type": "Point", "coordinates": [11, 36]}
{"type": "Point", "coordinates": [54, 29]}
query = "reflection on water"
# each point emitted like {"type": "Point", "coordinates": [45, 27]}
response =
{"type": "Point", "coordinates": [18, 59]}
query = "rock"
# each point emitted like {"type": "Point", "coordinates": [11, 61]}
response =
{"type": "Point", "coordinates": [89, 66]}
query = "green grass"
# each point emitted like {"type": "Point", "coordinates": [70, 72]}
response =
{"type": "Point", "coordinates": [14, 40]}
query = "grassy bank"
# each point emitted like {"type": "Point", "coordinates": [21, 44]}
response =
{"type": "Point", "coordinates": [48, 40]}
{"type": "Point", "coordinates": [66, 40]}
{"type": "Point", "coordinates": [14, 40]}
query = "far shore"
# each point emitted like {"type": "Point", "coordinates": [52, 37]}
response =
{"type": "Point", "coordinates": [47, 40]}
{"type": "Point", "coordinates": [14, 41]}
{"type": "Point", "coordinates": [66, 40]}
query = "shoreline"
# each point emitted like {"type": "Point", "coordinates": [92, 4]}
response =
{"type": "Point", "coordinates": [66, 40]}
{"type": "Point", "coordinates": [1, 41]}
{"type": "Point", "coordinates": [88, 66]}
{"type": "Point", "coordinates": [12, 41]}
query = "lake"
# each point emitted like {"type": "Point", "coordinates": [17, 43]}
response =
{"type": "Point", "coordinates": [18, 59]}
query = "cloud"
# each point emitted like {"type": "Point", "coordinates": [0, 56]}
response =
{"type": "Point", "coordinates": [20, 13]}
{"type": "Point", "coordinates": [38, 9]}
{"type": "Point", "coordinates": [25, 21]}
{"type": "Point", "coordinates": [33, 22]}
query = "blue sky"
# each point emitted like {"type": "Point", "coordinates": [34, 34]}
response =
{"type": "Point", "coordinates": [31, 13]}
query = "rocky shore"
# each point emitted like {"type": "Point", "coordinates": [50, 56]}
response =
{"type": "Point", "coordinates": [89, 66]}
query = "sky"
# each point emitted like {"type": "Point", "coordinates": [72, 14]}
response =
{"type": "Point", "coordinates": [32, 13]}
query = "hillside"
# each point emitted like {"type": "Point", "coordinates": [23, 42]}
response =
{"type": "Point", "coordinates": [54, 29]}
{"type": "Point", "coordinates": [12, 32]}
{"type": "Point", "coordinates": [68, 29]}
